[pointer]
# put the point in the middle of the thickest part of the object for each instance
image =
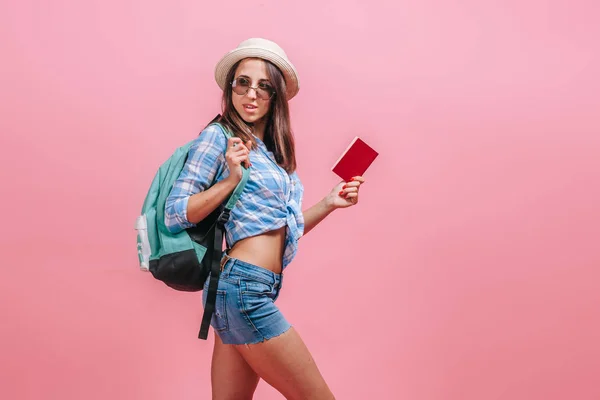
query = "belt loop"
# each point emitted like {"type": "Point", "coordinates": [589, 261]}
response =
{"type": "Point", "coordinates": [224, 260]}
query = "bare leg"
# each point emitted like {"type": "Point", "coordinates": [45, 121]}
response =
{"type": "Point", "coordinates": [231, 376]}
{"type": "Point", "coordinates": [285, 363]}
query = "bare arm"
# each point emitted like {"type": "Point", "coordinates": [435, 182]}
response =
{"type": "Point", "coordinates": [193, 196]}
{"type": "Point", "coordinates": [200, 205]}
{"type": "Point", "coordinates": [316, 214]}
{"type": "Point", "coordinates": [342, 196]}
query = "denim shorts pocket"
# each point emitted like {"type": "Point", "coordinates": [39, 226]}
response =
{"type": "Point", "coordinates": [219, 319]}
{"type": "Point", "coordinates": [256, 288]}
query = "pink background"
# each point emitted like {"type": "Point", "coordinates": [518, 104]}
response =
{"type": "Point", "coordinates": [469, 270]}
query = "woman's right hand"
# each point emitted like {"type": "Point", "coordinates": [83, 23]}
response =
{"type": "Point", "coordinates": [236, 154]}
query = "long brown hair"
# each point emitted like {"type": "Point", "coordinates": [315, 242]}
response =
{"type": "Point", "coordinates": [279, 137]}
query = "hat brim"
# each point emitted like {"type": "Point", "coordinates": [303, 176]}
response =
{"type": "Point", "coordinates": [287, 69]}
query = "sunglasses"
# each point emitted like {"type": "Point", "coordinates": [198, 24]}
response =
{"type": "Point", "coordinates": [263, 91]}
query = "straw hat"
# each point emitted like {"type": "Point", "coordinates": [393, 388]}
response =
{"type": "Point", "coordinates": [259, 48]}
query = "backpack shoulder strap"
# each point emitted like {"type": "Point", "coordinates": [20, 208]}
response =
{"type": "Point", "coordinates": [216, 251]}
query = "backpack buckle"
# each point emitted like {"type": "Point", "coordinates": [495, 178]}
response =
{"type": "Point", "coordinates": [223, 217]}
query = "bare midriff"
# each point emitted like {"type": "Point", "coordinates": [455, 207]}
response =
{"type": "Point", "coordinates": [264, 250]}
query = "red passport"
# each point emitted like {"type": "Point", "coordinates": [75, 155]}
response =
{"type": "Point", "coordinates": [355, 160]}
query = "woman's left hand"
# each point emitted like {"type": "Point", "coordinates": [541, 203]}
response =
{"type": "Point", "coordinates": [345, 194]}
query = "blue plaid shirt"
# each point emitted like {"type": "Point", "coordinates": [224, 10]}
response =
{"type": "Point", "coordinates": [271, 199]}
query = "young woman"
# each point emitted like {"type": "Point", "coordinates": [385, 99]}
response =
{"type": "Point", "coordinates": [252, 337]}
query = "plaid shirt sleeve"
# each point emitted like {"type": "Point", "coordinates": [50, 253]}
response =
{"type": "Point", "coordinates": [297, 189]}
{"type": "Point", "coordinates": [297, 195]}
{"type": "Point", "coordinates": [205, 162]}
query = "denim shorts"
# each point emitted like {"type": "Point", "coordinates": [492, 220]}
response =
{"type": "Point", "coordinates": [245, 310]}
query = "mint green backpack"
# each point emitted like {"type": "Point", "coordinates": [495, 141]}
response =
{"type": "Point", "coordinates": [184, 260]}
